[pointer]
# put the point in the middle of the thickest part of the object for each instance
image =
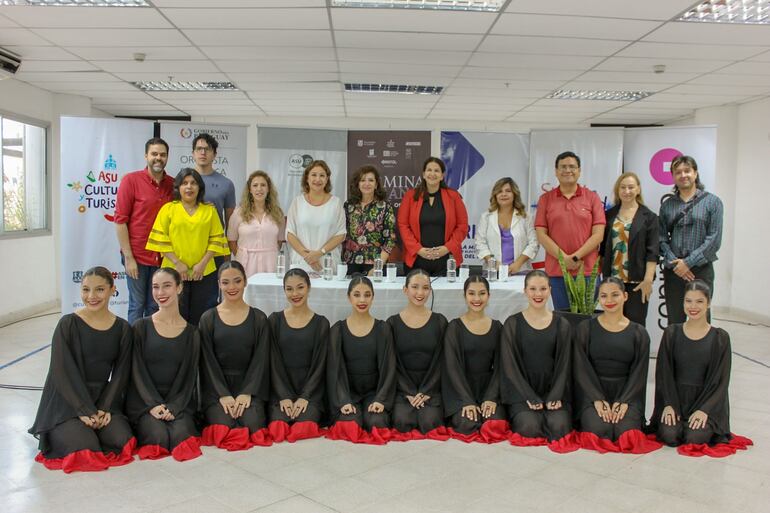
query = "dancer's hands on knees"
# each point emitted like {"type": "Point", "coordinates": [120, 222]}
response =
{"type": "Point", "coordinates": [471, 412]}
{"type": "Point", "coordinates": [698, 420]}
{"type": "Point", "coordinates": [242, 402]}
{"type": "Point", "coordinates": [348, 409]}
{"type": "Point", "coordinates": [618, 412]}
{"type": "Point", "coordinates": [669, 417]}
{"type": "Point", "coordinates": [488, 408]}
{"type": "Point", "coordinates": [300, 407]}
{"type": "Point", "coordinates": [376, 407]}
{"type": "Point", "coordinates": [553, 405]}
{"type": "Point", "coordinates": [228, 405]}
{"type": "Point", "coordinates": [603, 410]}
{"type": "Point", "coordinates": [535, 406]}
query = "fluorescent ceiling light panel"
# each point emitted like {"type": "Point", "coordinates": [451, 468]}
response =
{"type": "Point", "coordinates": [625, 96]}
{"type": "Point", "coordinates": [160, 86]}
{"type": "Point", "coordinates": [393, 88]}
{"type": "Point", "coordinates": [444, 5]}
{"type": "Point", "coordinates": [78, 3]}
{"type": "Point", "coordinates": [750, 12]}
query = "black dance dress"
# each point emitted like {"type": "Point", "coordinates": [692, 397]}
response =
{"type": "Point", "coordinates": [470, 376]}
{"type": "Point", "coordinates": [89, 371]}
{"type": "Point", "coordinates": [432, 234]}
{"type": "Point", "coordinates": [235, 361]}
{"type": "Point", "coordinates": [418, 370]}
{"type": "Point", "coordinates": [165, 371]}
{"type": "Point", "coordinates": [611, 367]}
{"type": "Point", "coordinates": [361, 370]}
{"type": "Point", "coordinates": [693, 375]}
{"type": "Point", "coordinates": [536, 366]}
{"type": "Point", "coordinates": [298, 371]}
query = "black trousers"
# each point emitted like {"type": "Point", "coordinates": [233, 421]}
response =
{"type": "Point", "coordinates": [197, 297]}
{"type": "Point", "coordinates": [673, 287]}
{"type": "Point", "coordinates": [634, 309]}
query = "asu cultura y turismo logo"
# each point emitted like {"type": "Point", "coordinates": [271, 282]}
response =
{"type": "Point", "coordinates": [98, 190]}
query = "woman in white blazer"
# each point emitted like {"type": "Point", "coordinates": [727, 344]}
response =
{"type": "Point", "coordinates": [505, 231]}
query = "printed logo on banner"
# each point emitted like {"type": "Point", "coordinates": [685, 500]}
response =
{"type": "Point", "coordinates": [185, 133]}
{"type": "Point", "coordinates": [298, 163]}
{"type": "Point", "coordinates": [99, 191]}
{"type": "Point", "coordinates": [660, 165]}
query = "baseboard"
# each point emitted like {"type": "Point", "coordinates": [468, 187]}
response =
{"type": "Point", "coordinates": [30, 311]}
{"type": "Point", "coordinates": [740, 315]}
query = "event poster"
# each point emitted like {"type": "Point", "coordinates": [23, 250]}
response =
{"type": "Point", "coordinates": [231, 153]}
{"type": "Point", "coordinates": [649, 152]}
{"type": "Point", "coordinates": [475, 161]}
{"type": "Point", "coordinates": [95, 154]}
{"type": "Point", "coordinates": [397, 155]}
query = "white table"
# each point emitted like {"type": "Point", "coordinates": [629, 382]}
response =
{"type": "Point", "coordinates": [329, 298]}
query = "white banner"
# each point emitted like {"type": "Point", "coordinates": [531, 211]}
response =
{"type": "Point", "coordinates": [475, 161]}
{"type": "Point", "coordinates": [285, 152]}
{"type": "Point", "coordinates": [649, 152]}
{"type": "Point", "coordinates": [601, 160]}
{"type": "Point", "coordinates": [95, 154]}
{"type": "Point", "coordinates": [231, 153]}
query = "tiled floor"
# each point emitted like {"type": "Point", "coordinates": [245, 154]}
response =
{"type": "Point", "coordinates": [426, 476]}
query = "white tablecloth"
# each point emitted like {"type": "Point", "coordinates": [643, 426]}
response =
{"type": "Point", "coordinates": [329, 298]}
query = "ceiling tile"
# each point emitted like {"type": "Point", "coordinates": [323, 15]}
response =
{"type": "Point", "coordinates": [126, 53]}
{"type": "Point", "coordinates": [762, 57]}
{"type": "Point", "coordinates": [21, 37]}
{"type": "Point", "coordinates": [642, 64]}
{"type": "Point", "coordinates": [113, 37]}
{"type": "Point", "coordinates": [707, 33]}
{"type": "Point", "coordinates": [5, 22]}
{"type": "Point", "coordinates": [641, 77]}
{"type": "Point", "coordinates": [170, 96]}
{"type": "Point", "coordinates": [246, 80]}
{"type": "Point", "coordinates": [212, 18]}
{"type": "Point", "coordinates": [589, 85]}
{"type": "Point", "coordinates": [456, 58]}
{"type": "Point", "coordinates": [534, 61]}
{"type": "Point", "coordinates": [748, 68]}
{"type": "Point", "coordinates": [504, 74]}
{"type": "Point", "coordinates": [152, 66]}
{"type": "Point", "coordinates": [295, 87]}
{"type": "Point", "coordinates": [385, 68]}
{"type": "Point", "coordinates": [633, 9]}
{"type": "Point", "coordinates": [57, 65]}
{"type": "Point", "coordinates": [239, 3]}
{"type": "Point", "coordinates": [84, 76]}
{"type": "Point", "coordinates": [269, 66]}
{"type": "Point", "coordinates": [405, 40]}
{"type": "Point", "coordinates": [85, 17]}
{"type": "Point", "coordinates": [690, 51]}
{"type": "Point", "coordinates": [412, 20]}
{"type": "Point", "coordinates": [269, 38]}
{"type": "Point", "coordinates": [572, 26]}
{"type": "Point", "coordinates": [382, 78]}
{"type": "Point", "coordinates": [732, 91]}
{"type": "Point", "coordinates": [176, 75]}
{"type": "Point", "coordinates": [550, 45]}
{"type": "Point", "coordinates": [41, 53]}
{"type": "Point", "coordinates": [259, 53]}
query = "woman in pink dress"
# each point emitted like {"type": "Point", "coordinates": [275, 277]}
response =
{"type": "Point", "coordinates": [256, 226]}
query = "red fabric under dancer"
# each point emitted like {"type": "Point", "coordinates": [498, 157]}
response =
{"type": "Point", "coordinates": [279, 430]}
{"type": "Point", "coordinates": [523, 441]}
{"type": "Point", "coordinates": [125, 456]}
{"type": "Point", "coordinates": [632, 441]}
{"type": "Point", "coordinates": [304, 430]}
{"type": "Point", "coordinates": [261, 437]}
{"type": "Point", "coordinates": [493, 431]}
{"type": "Point", "coordinates": [350, 430]}
{"type": "Point", "coordinates": [224, 437]}
{"type": "Point", "coordinates": [151, 452]}
{"type": "Point", "coordinates": [720, 450]}
{"type": "Point", "coordinates": [568, 443]}
{"type": "Point", "coordinates": [469, 438]}
{"type": "Point", "coordinates": [78, 461]}
{"type": "Point", "coordinates": [189, 449]}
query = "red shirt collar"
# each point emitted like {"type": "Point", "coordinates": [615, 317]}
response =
{"type": "Point", "coordinates": [578, 192]}
{"type": "Point", "coordinates": [148, 176]}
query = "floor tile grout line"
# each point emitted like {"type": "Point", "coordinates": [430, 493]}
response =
{"type": "Point", "coordinates": [24, 357]}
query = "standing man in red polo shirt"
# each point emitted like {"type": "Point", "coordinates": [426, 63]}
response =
{"type": "Point", "coordinates": [570, 219]}
{"type": "Point", "coordinates": [140, 196]}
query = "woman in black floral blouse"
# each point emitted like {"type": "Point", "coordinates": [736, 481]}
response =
{"type": "Point", "coordinates": [370, 221]}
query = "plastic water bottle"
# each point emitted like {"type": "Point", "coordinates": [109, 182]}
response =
{"type": "Point", "coordinates": [328, 264]}
{"type": "Point", "coordinates": [451, 269]}
{"type": "Point", "coordinates": [377, 271]}
{"type": "Point", "coordinates": [280, 264]}
{"type": "Point", "coordinates": [492, 269]}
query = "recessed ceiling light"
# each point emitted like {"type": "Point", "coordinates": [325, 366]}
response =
{"type": "Point", "coordinates": [166, 86]}
{"type": "Point", "coordinates": [393, 88]}
{"type": "Point", "coordinates": [78, 3]}
{"type": "Point", "coordinates": [751, 12]}
{"type": "Point", "coordinates": [624, 96]}
{"type": "Point", "coordinates": [446, 5]}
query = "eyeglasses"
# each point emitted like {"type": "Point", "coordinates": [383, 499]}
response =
{"type": "Point", "coordinates": [569, 168]}
{"type": "Point", "coordinates": [204, 149]}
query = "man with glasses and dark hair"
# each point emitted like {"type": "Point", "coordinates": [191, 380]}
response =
{"type": "Point", "coordinates": [690, 235]}
{"type": "Point", "coordinates": [569, 220]}
{"type": "Point", "coordinates": [141, 194]}
{"type": "Point", "coordinates": [219, 189]}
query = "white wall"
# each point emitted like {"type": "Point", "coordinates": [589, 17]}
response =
{"type": "Point", "coordinates": [30, 264]}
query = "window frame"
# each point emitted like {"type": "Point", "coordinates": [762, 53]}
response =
{"type": "Point", "coordinates": [47, 180]}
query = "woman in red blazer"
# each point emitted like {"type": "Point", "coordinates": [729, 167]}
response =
{"type": "Point", "coordinates": [432, 221]}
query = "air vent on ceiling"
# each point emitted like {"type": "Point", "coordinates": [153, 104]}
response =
{"type": "Point", "coordinates": [393, 88]}
{"type": "Point", "coordinates": [78, 3]}
{"type": "Point", "coordinates": [167, 86]}
{"type": "Point", "coordinates": [618, 96]}
{"type": "Point", "coordinates": [444, 5]}
{"type": "Point", "coordinates": [749, 12]}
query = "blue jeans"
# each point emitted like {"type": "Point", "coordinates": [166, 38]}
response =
{"type": "Point", "coordinates": [559, 293]}
{"type": "Point", "coordinates": [140, 301]}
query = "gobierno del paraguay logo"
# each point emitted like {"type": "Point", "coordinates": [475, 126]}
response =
{"type": "Point", "coordinates": [660, 165]}
{"type": "Point", "coordinates": [98, 190]}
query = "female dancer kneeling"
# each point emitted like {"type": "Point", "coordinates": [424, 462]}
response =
{"type": "Point", "coordinates": [536, 364]}
{"type": "Point", "coordinates": [418, 336]}
{"type": "Point", "coordinates": [160, 401]}
{"type": "Point", "coordinates": [470, 380]}
{"type": "Point", "coordinates": [80, 422]}
{"type": "Point", "coordinates": [235, 355]}
{"type": "Point", "coordinates": [297, 364]}
{"type": "Point", "coordinates": [361, 370]}
{"type": "Point", "coordinates": [610, 368]}
{"type": "Point", "coordinates": [692, 373]}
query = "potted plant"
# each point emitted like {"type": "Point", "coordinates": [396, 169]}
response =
{"type": "Point", "coordinates": [581, 292]}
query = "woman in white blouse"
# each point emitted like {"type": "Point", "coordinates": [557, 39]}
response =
{"type": "Point", "coordinates": [315, 224]}
{"type": "Point", "coordinates": [505, 231]}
